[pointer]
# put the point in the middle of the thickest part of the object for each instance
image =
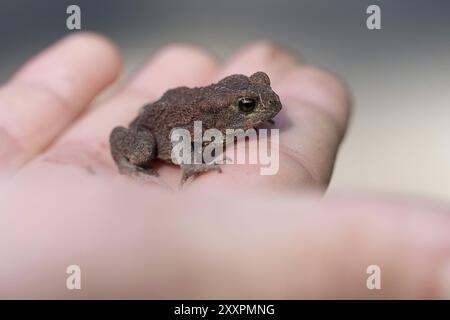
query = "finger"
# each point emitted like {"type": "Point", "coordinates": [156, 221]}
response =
{"type": "Point", "coordinates": [314, 119]}
{"type": "Point", "coordinates": [86, 142]}
{"type": "Point", "coordinates": [49, 92]}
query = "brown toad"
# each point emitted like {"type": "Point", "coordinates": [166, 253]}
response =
{"type": "Point", "coordinates": [235, 102]}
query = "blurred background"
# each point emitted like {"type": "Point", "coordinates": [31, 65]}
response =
{"type": "Point", "coordinates": [399, 137]}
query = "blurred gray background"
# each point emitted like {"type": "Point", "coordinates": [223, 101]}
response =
{"type": "Point", "coordinates": [399, 138]}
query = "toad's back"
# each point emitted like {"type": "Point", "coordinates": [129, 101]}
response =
{"type": "Point", "coordinates": [177, 108]}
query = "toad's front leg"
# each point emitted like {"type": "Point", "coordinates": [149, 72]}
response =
{"type": "Point", "coordinates": [194, 169]}
{"type": "Point", "coordinates": [191, 170]}
{"type": "Point", "coordinates": [133, 150]}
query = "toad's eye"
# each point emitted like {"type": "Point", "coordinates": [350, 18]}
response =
{"type": "Point", "coordinates": [246, 105]}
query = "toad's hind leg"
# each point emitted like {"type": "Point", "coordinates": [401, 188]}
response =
{"type": "Point", "coordinates": [133, 150]}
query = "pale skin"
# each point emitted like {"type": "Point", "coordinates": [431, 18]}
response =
{"type": "Point", "coordinates": [232, 235]}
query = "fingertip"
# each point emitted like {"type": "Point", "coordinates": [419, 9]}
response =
{"type": "Point", "coordinates": [269, 50]}
{"type": "Point", "coordinates": [186, 51]}
{"type": "Point", "coordinates": [110, 60]}
{"type": "Point", "coordinates": [72, 63]}
{"type": "Point", "coordinates": [84, 43]}
{"type": "Point", "coordinates": [266, 56]}
{"type": "Point", "coordinates": [91, 38]}
{"type": "Point", "coordinates": [100, 43]}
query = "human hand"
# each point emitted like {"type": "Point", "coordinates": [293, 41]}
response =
{"type": "Point", "coordinates": [233, 235]}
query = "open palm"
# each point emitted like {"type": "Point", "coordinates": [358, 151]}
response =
{"type": "Point", "coordinates": [238, 234]}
